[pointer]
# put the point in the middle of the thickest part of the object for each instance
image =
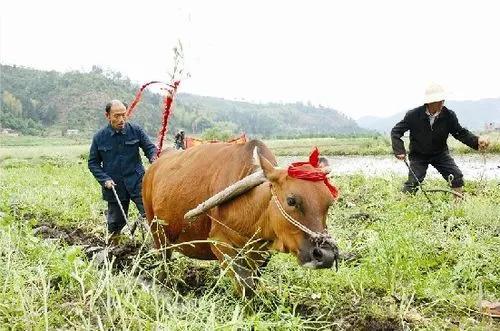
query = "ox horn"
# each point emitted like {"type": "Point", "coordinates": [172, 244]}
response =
{"type": "Point", "coordinates": [228, 193]}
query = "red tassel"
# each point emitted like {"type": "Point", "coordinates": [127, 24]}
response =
{"type": "Point", "coordinates": [138, 97]}
{"type": "Point", "coordinates": [167, 104]}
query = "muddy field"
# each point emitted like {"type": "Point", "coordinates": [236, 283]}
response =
{"type": "Point", "coordinates": [149, 269]}
{"type": "Point", "coordinates": [416, 266]}
{"type": "Point", "coordinates": [132, 253]}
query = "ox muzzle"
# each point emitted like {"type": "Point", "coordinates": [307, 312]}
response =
{"type": "Point", "coordinates": [319, 253]}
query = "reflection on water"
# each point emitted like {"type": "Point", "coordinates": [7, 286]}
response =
{"type": "Point", "coordinates": [473, 166]}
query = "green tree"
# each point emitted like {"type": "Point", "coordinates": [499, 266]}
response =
{"type": "Point", "coordinates": [12, 105]}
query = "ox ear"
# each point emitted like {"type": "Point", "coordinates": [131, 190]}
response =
{"type": "Point", "coordinates": [267, 167]}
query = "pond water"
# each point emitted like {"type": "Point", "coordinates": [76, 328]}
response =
{"type": "Point", "coordinates": [473, 166]}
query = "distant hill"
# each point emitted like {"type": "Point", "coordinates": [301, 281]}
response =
{"type": "Point", "coordinates": [38, 102]}
{"type": "Point", "coordinates": [472, 114]}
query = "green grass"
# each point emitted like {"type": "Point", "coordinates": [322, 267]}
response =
{"type": "Point", "coordinates": [6, 140]}
{"type": "Point", "coordinates": [29, 149]}
{"type": "Point", "coordinates": [36, 153]}
{"type": "Point", "coordinates": [418, 267]}
{"type": "Point", "coordinates": [331, 146]}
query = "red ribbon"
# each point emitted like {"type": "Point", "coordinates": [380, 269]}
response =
{"type": "Point", "coordinates": [138, 97]}
{"type": "Point", "coordinates": [296, 170]}
{"type": "Point", "coordinates": [167, 105]}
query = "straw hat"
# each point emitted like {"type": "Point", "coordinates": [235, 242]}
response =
{"type": "Point", "coordinates": [434, 93]}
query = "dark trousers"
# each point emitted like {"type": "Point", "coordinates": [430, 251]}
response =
{"type": "Point", "coordinates": [116, 221]}
{"type": "Point", "coordinates": [443, 163]}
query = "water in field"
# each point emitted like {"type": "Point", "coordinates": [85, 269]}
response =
{"type": "Point", "coordinates": [472, 166]}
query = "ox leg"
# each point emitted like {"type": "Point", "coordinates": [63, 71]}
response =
{"type": "Point", "coordinates": [264, 261]}
{"type": "Point", "coordinates": [245, 277]}
{"type": "Point", "coordinates": [249, 268]}
{"type": "Point", "coordinates": [161, 242]}
{"type": "Point", "coordinates": [243, 267]}
{"type": "Point", "coordinates": [160, 239]}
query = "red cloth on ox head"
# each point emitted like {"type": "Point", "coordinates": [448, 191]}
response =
{"type": "Point", "coordinates": [296, 170]}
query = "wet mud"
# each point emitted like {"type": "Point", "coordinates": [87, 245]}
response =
{"type": "Point", "coordinates": [191, 279]}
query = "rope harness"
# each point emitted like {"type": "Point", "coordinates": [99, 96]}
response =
{"type": "Point", "coordinates": [292, 220]}
{"type": "Point", "coordinates": [318, 239]}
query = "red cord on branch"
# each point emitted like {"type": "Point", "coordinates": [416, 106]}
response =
{"type": "Point", "coordinates": [167, 105]}
{"type": "Point", "coordinates": [296, 170]}
{"type": "Point", "coordinates": [138, 97]}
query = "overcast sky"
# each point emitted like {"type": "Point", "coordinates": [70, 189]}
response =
{"type": "Point", "coordinates": [360, 57]}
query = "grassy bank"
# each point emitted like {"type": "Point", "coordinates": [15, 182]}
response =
{"type": "Point", "coordinates": [331, 146]}
{"type": "Point", "coordinates": [16, 141]}
{"type": "Point", "coordinates": [416, 266]}
{"type": "Point", "coordinates": [33, 147]}
{"type": "Point", "coordinates": [378, 145]}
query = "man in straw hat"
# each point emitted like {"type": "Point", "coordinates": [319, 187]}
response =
{"type": "Point", "coordinates": [430, 125]}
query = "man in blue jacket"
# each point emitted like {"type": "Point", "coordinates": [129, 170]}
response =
{"type": "Point", "coordinates": [114, 160]}
{"type": "Point", "coordinates": [430, 125]}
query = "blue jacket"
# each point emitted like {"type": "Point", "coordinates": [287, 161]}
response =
{"type": "Point", "coordinates": [115, 155]}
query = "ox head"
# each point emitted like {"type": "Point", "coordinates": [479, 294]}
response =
{"type": "Point", "coordinates": [297, 212]}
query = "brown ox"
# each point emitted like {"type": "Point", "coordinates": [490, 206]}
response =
{"type": "Point", "coordinates": [180, 181]}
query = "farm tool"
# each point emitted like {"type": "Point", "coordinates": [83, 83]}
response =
{"type": "Point", "coordinates": [449, 179]}
{"type": "Point", "coordinates": [132, 227]}
{"type": "Point", "coordinates": [418, 181]}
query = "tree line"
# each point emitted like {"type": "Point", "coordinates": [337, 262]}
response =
{"type": "Point", "coordinates": [36, 102]}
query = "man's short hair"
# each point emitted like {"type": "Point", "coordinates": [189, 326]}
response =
{"type": "Point", "coordinates": [110, 104]}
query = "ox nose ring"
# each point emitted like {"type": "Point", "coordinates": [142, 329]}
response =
{"type": "Point", "coordinates": [317, 254]}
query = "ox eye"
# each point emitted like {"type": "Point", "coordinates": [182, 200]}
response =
{"type": "Point", "coordinates": [291, 201]}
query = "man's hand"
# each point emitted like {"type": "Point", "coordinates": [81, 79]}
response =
{"type": "Point", "coordinates": [401, 156]}
{"type": "Point", "coordinates": [109, 184]}
{"type": "Point", "coordinates": [483, 143]}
